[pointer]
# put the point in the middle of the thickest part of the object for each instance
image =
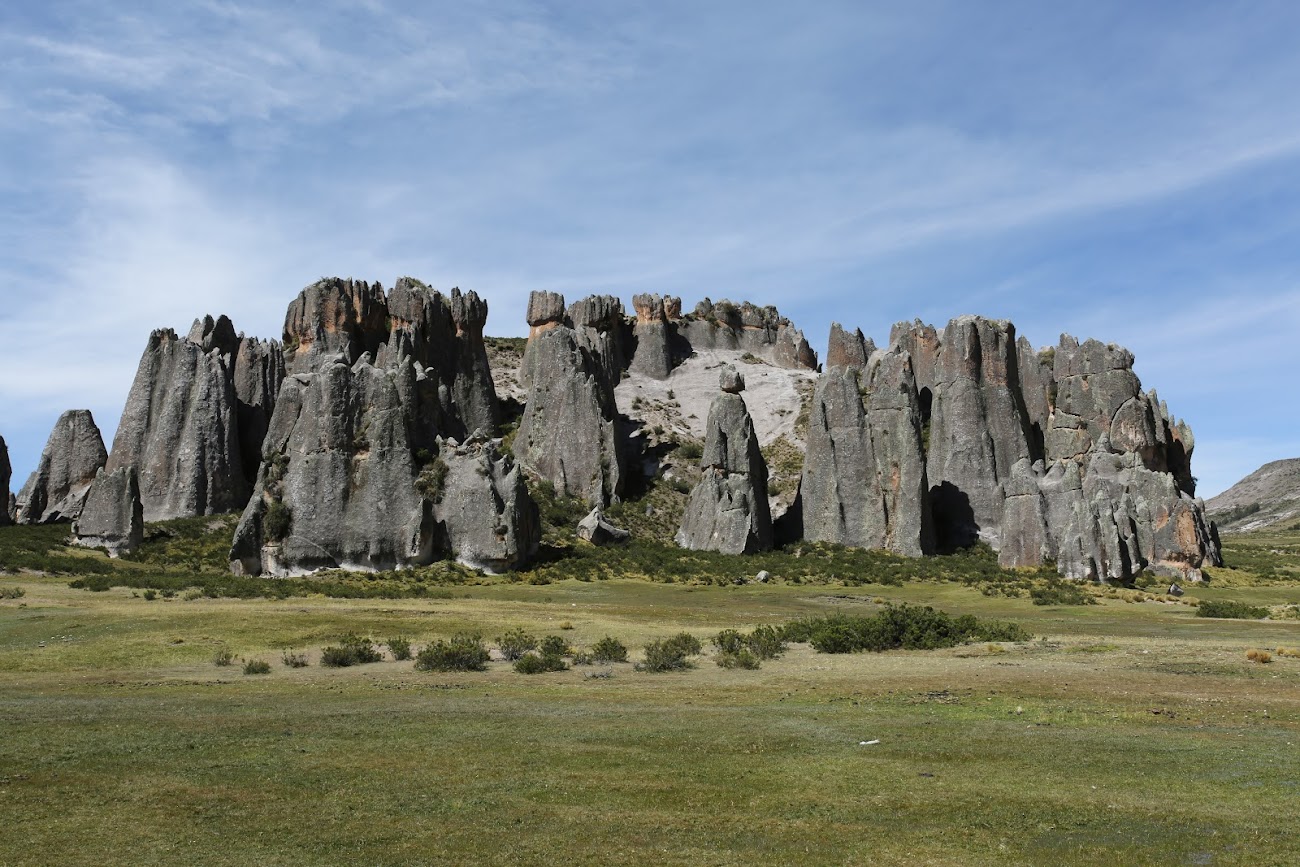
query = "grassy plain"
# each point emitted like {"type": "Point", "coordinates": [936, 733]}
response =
{"type": "Point", "coordinates": [1125, 732]}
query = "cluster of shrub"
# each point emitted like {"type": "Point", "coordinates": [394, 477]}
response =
{"type": "Point", "coordinates": [899, 627]}
{"type": "Point", "coordinates": [1230, 609]}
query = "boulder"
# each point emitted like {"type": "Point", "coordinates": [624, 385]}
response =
{"type": "Point", "coordinates": [569, 434]}
{"type": "Point", "coordinates": [6, 474]}
{"type": "Point", "coordinates": [598, 531]}
{"type": "Point", "coordinates": [113, 517]}
{"type": "Point", "coordinates": [180, 428]}
{"type": "Point", "coordinates": [545, 309]}
{"type": "Point", "coordinates": [73, 454]}
{"type": "Point", "coordinates": [728, 510]}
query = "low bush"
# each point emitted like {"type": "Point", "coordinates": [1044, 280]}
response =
{"type": "Point", "coordinates": [351, 650]}
{"type": "Point", "coordinates": [464, 652]}
{"type": "Point", "coordinates": [515, 644]}
{"type": "Point", "coordinates": [277, 522]}
{"type": "Point", "coordinates": [609, 649]}
{"type": "Point", "coordinates": [257, 666]}
{"type": "Point", "coordinates": [150, 595]}
{"type": "Point", "coordinates": [293, 659]}
{"type": "Point", "coordinates": [534, 663]}
{"type": "Point", "coordinates": [223, 657]}
{"type": "Point", "coordinates": [1289, 651]}
{"type": "Point", "coordinates": [1261, 656]}
{"type": "Point", "coordinates": [742, 658]}
{"type": "Point", "coordinates": [12, 593]}
{"type": "Point", "coordinates": [670, 654]}
{"type": "Point", "coordinates": [906, 627]}
{"type": "Point", "coordinates": [1228, 609]}
{"type": "Point", "coordinates": [1061, 593]}
{"type": "Point", "coordinates": [554, 645]}
{"type": "Point", "coordinates": [765, 642]}
{"type": "Point", "coordinates": [400, 648]}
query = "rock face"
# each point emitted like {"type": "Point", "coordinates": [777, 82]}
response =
{"type": "Point", "coordinates": [258, 371]}
{"type": "Point", "coordinates": [73, 455]}
{"type": "Point", "coordinates": [353, 476]}
{"type": "Point", "coordinates": [654, 337]}
{"type": "Point", "coordinates": [180, 428]}
{"type": "Point", "coordinates": [598, 531]}
{"type": "Point", "coordinates": [761, 331]}
{"type": "Point", "coordinates": [864, 479]}
{"type": "Point", "coordinates": [113, 517]}
{"type": "Point", "coordinates": [569, 433]}
{"type": "Point", "coordinates": [6, 474]}
{"type": "Point", "coordinates": [728, 510]}
{"type": "Point", "coordinates": [334, 315]}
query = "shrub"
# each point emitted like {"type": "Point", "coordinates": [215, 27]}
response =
{"type": "Point", "coordinates": [277, 521]}
{"type": "Point", "coordinates": [566, 625]}
{"type": "Point", "coordinates": [1289, 651]}
{"type": "Point", "coordinates": [690, 451]}
{"type": "Point", "coordinates": [766, 642]}
{"type": "Point", "coordinates": [515, 643]}
{"type": "Point", "coordinates": [1261, 656]}
{"type": "Point", "coordinates": [464, 652]}
{"type": "Point", "coordinates": [1061, 593]}
{"type": "Point", "coordinates": [533, 663]}
{"type": "Point", "coordinates": [351, 650]}
{"type": "Point", "coordinates": [223, 657]}
{"type": "Point", "coordinates": [400, 648]}
{"type": "Point", "coordinates": [670, 654]}
{"type": "Point", "coordinates": [729, 641]}
{"type": "Point", "coordinates": [257, 666]}
{"type": "Point", "coordinates": [433, 480]}
{"type": "Point", "coordinates": [909, 627]}
{"type": "Point", "coordinates": [150, 595]}
{"type": "Point", "coordinates": [1229, 609]}
{"type": "Point", "coordinates": [609, 649]}
{"type": "Point", "coordinates": [741, 658]}
{"type": "Point", "coordinates": [12, 593]}
{"type": "Point", "coordinates": [554, 645]}
{"type": "Point", "coordinates": [293, 659]}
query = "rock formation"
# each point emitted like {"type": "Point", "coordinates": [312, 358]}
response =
{"type": "Point", "coordinates": [761, 331]}
{"type": "Point", "coordinates": [180, 427]}
{"type": "Point", "coordinates": [598, 531]}
{"type": "Point", "coordinates": [345, 481]}
{"type": "Point", "coordinates": [654, 336]}
{"type": "Point", "coordinates": [728, 510]}
{"type": "Point", "coordinates": [6, 473]}
{"type": "Point", "coordinates": [864, 479]}
{"type": "Point", "coordinates": [258, 372]}
{"type": "Point", "coordinates": [73, 455]}
{"type": "Point", "coordinates": [113, 517]}
{"type": "Point", "coordinates": [334, 315]}
{"type": "Point", "coordinates": [848, 350]}
{"type": "Point", "coordinates": [569, 433]}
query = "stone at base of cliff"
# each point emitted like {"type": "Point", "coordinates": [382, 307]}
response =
{"type": "Point", "coordinates": [113, 517]}
{"type": "Point", "coordinates": [596, 530]}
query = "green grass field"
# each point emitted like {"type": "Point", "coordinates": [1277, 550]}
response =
{"type": "Point", "coordinates": [1124, 732]}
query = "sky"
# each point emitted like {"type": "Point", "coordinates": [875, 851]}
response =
{"type": "Point", "coordinates": [1118, 170]}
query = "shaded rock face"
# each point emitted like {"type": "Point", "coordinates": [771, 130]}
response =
{"type": "Point", "coordinates": [728, 510]}
{"type": "Point", "coordinates": [864, 480]}
{"type": "Point", "coordinates": [569, 434]}
{"type": "Point", "coordinates": [598, 531]}
{"type": "Point", "coordinates": [345, 482]}
{"type": "Point", "coordinates": [73, 454]}
{"type": "Point", "coordinates": [113, 517]}
{"type": "Point", "coordinates": [6, 475]}
{"type": "Point", "coordinates": [258, 372]}
{"type": "Point", "coordinates": [978, 428]}
{"type": "Point", "coordinates": [180, 428]}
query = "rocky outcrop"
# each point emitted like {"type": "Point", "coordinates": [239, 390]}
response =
{"type": "Point", "coordinates": [569, 434]}
{"type": "Point", "coordinates": [978, 428]}
{"type": "Point", "coordinates": [345, 483]}
{"type": "Point", "coordinates": [760, 331]}
{"type": "Point", "coordinates": [6, 474]}
{"type": "Point", "coordinates": [598, 531]}
{"type": "Point", "coordinates": [333, 316]}
{"type": "Point", "coordinates": [258, 372]}
{"type": "Point", "coordinates": [728, 509]}
{"type": "Point", "coordinates": [73, 454]}
{"type": "Point", "coordinates": [485, 516]}
{"type": "Point", "coordinates": [113, 517]}
{"type": "Point", "coordinates": [864, 479]}
{"type": "Point", "coordinates": [844, 349]}
{"type": "Point", "coordinates": [653, 334]}
{"type": "Point", "coordinates": [921, 342]}
{"type": "Point", "coordinates": [180, 427]}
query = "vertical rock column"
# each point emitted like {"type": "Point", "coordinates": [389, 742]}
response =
{"type": "Point", "coordinates": [113, 517]}
{"type": "Point", "coordinates": [72, 456]}
{"type": "Point", "coordinates": [728, 510]}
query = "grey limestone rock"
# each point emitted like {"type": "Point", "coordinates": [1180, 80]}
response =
{"type": "Point", "coordinates": [487, 519]}
{"type": "Point", "coordinates": [113, 517]}
{"type": "Point", "coordinates": [6, 475]}
{"type": "Point", "coordinates": [180, 429]}
{"type": "Point", "coordinates": [598, 531]}
{"type": "Point", "coordinates": [569, 434]}
{"type": "Point", "coordinates": [258, 372]}
{"type": "Point", "coordinates": [653, 335]}
{"type": "Point", "coordinates": [921, 342]}
{"type": "Point", "coordinates": [845, 349]}
{"type": "Point", "coordinates": [73, 454]}
{"type": "Point", "coordinates": [545, 308]}
{"type": "Point", "coordinates": [761, 331]}
{"type": "Point", "coordinates": [334, 315]}
{"type": "Point", "coordinates": [730, 380]}
{"type": "Point", "coordinates": [1026, 538]}
{"type": "Point", "coordinates": [978, 428]}
{"type": "Point", "coordinates": [728, 509]}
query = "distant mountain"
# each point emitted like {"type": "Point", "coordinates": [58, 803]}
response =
{"type": "Point", "coordinates": [1268, 496]}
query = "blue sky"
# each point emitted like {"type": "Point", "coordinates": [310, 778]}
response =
{"type": "Point", "coordinates": [1127, 171]}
